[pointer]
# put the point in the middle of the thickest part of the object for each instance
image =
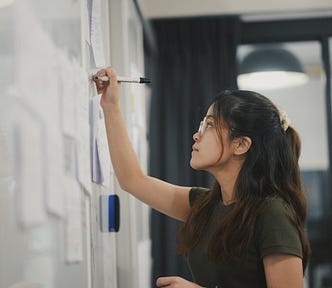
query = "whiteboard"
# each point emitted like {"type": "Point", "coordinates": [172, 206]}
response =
{"type": "Point", "coordinates": [50, 232]}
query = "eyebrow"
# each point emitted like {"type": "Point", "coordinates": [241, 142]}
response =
{"type": "Point", "coordinates": [210, 116]}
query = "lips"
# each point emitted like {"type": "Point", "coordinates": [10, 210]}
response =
{"type": "Point", "coordinates": [194, 148]}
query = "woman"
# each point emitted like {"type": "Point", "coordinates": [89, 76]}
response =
{"type": "Point", "coordinates": [248, 229]}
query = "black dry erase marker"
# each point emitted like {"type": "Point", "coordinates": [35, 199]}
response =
{"type": "Point", "coordinates": [141, 80]}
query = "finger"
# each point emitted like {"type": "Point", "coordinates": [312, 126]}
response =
{"type": "Point", "coordinates": [164, 281]}
{"type": "Point", "coordinates": [101, 72]}
{"type": "Point", "coordinates": [94, 77]}
{"type": "Point", "coordinates": [112, 75]}
{"type": "Point", "coordinates": [161, 282]}
{"type": "Point", "coordinates": [100, 84]}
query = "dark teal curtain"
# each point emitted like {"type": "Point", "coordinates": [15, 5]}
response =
{"type": "Point", "coordinates": [195, 59]}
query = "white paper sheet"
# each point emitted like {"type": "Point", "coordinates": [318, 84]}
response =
{"type": "Point", "coordinates": [94, 121]}
{"type": "Point", "coordinates": [54, 178]}
{"type": "Point", "coordinates": [101, 162]}
{"type": "Point", "coordinates": [29, 169]}
{"type": "Point", "coordinates": [34, 62]}
{"type": "Point", "coordinates": [96, 34]}
{"type": "Point", "coordinates": [39, 264]}
{"type": "Point", "coordinates": [5, 155]}
{"type": "Point", "coordinates": [54, 159]}
{"type": "Point", "coordinates": [73, 222]}
{"type": "Point", "coordinates": [32, 270]}
{"type": "Point", "coordinates": [86, 23]}
{"type": "Point", "coordinates": [88, 237]}
{"type": "Point", "coordinates": [83, 137]}
{"type": "Point", "coordinates": [39, 87]}
{"type": "Point", "coordinates": [103, 151]}
{"type": "Point", "coordinates": [144, 263]}
{"type": "Point", "coordinates": [68, 96]}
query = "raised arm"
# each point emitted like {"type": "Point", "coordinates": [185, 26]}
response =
{"type": "Point", "coordinates": [167, 198]}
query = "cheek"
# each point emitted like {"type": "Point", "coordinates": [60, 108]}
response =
{"type": "Point", "coordinates": [216, 147]}
{"type": "Point", "coordinates": [207, 156]}
{"type": "Point", "coordinates": [214, 153]}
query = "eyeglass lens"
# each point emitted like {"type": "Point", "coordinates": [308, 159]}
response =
{"type": "Point", "coordinates": [202, 126]}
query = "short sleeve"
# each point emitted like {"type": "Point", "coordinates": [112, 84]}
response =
{"type": "Point", "coordinates": [196, 193]}
{"type": "Point", "coordinates": [275, 230]}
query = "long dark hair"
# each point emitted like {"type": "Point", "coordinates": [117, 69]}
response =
{"type": "Point", "coordinates": [270, 169]}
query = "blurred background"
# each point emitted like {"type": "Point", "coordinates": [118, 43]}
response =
{"type": "Point", "coordinates": [281, 50]}
{"type": "Point", "coordinates": [50, 216]}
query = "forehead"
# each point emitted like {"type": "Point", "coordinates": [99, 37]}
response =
{"type": "Point", "coordinates": [210, 113]}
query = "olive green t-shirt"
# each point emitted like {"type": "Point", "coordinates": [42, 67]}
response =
{"type": "Point", "coordinates": [274, 233]}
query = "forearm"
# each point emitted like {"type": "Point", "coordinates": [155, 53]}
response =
{"type": "Point", "coordinates": [171, 200]}
{"type": "Point", "coordinates": [123, 156]}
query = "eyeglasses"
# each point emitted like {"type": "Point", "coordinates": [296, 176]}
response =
{"type": "Point", "coordinates": [202, 126]}
{"type": "Point", "coordinates": [208, 122]}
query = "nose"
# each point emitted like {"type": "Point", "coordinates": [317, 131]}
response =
{"type": "Point", "coordinates": [196, 136]}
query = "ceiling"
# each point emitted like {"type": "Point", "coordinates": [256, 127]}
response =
{"type": "Point", "coordinates": [252, 8]}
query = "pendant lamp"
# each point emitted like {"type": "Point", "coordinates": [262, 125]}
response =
{"type": "Point", "coordinates": [270, 68]}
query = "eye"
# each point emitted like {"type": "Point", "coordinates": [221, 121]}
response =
{"type": "Point", "coordinates": [209, 125]}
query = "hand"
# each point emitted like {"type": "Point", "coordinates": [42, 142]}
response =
{"type": "Point", "coordinates": [110, 90]}
{"type": "Point", "coordinates": [175, 282]}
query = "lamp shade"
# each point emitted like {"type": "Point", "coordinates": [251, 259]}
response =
{"type": "Point", "coordinates": [270, 68]}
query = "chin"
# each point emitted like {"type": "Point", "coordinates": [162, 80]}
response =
{"type": "Point", "coordinates": [192, 164]}
{"type": "Point", "coordinates": [195, 166]}
{"type": "Point", "coordinates": [201, 166]}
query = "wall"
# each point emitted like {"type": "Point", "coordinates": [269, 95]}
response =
{"type": "Point", "coordinates": [50, 129]}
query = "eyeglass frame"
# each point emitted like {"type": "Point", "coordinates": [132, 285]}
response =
{"type": "Point", "coordinates": [203, 125]}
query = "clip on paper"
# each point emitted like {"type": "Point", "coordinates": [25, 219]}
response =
{"type": "Point", "coordinates": [110, 213]}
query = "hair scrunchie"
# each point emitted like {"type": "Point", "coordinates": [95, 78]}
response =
{"type": "Point", "coordinates": [284, 120]}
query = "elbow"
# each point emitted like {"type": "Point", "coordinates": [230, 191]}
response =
{"type": "Point", "coordinates": [124, 186]}
{"type": "Point", "coordinates": [131, 184]}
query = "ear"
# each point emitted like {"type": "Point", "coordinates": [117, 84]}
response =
{"type": "Point", "coordinates": [242, 145]}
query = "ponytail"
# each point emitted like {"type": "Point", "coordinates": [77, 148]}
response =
{"type": "Point", "coordinates": [294, 142]}
{"type": "Point", "coordinates": [298, 200]}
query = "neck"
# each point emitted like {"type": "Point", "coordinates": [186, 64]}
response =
{"type": "Point", "coordinates": [226, 178]}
